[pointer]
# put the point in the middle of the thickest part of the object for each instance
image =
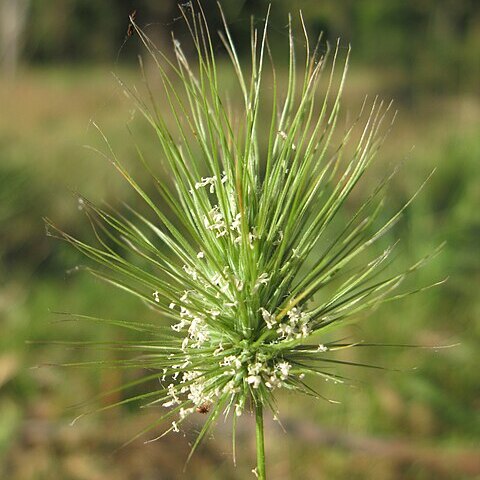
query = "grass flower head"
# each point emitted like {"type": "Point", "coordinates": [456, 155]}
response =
{"type": "Point", "coordinates": [244, 257]}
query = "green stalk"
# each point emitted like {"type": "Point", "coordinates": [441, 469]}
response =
{"type": "Point", "coordinates": [260, 441]}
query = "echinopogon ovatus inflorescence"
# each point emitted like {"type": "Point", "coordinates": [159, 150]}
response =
{"type": "Point", "coordinates": [242, 254]}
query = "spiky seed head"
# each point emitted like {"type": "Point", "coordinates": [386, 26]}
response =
{"type": "Point", "coordinates": [242, 272]}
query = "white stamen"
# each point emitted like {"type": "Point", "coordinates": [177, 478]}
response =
{"type": "Point", "coordinates": [284, 368]}
{"type": "Point", "coordinates": [235, 225]}
{"type": "Point", "coordinates": [254, 380]}
{"type": "Point", "coordinates": [268, 317]}
{"type": "Point", "coordinates": [207, 181]}
{"type": "Point", "coordinates": [263, 279]}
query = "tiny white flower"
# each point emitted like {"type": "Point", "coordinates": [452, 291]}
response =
{"type": "Point", "coordinates": [285, 331]}
{"type": "Point", "coordinates": [284, 368]}
{"type": "Point", "coordinates": [268, 317]}
{"type": "Point", "coordinates": [263, 279]}
{"type": "Point", "coordinates": [254, 380]}
{"type": "Point", "coordinates": [235, 225]}
{"type": "Point", "coordinates": [190, 271]}
{"type": "Point", "coordinates": [206, 181]}
{"type": "Point", "coordinates": [251, 237]}
{"type": "Point", "coordinates": [218, 350]}
{"type": "Point", "coordinates": [184, 412]}
{"type": "Point", "coordinates": [179, 326]}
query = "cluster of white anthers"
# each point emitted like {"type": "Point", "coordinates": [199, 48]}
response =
{"type": "Point", "coordinates": [210, 181]}
{"type": "Point", "coordinates": [239, 369]}
{"type": "Point", "coordinates": [295, 326]}
{"type": "Point", "coordinates": [215, 220]}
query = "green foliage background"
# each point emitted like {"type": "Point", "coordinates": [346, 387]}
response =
{"type": "Point", "coordinates": [432, 42]}
{"type": "Point", "coordinates": [424, 54]}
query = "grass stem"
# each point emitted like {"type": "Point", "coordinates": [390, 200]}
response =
{"type": "Point", "coordinates": [260, 441]}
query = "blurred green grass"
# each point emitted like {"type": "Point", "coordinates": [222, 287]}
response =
{"type": "Point", "coordinates": [433, 402]}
